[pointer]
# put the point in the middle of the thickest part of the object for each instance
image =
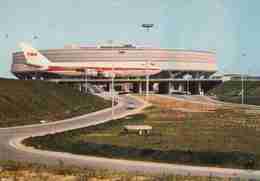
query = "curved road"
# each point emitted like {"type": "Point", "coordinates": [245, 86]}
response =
{"type": "Point", "coordinates": [10, 136]}
{"type": "Point", "coordinates": [12, 149]}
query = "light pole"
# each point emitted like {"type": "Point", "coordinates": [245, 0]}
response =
{"type": "Point", "coordinates": [112, 91]}
{"type": "Point", "coordinates": [86, 80]}
{"type": "Point", "coordinates": [242, 85]}
{"type": "Point", "coordinates": [147, 80]}
{"type": "Point", "coordinates": [147, 27]}
{"type": "Point", "coordinates": [34, 42]}
{"type": "Point", "coordinates": [112, 83]}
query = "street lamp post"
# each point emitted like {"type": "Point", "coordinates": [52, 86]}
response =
{"type": "Point", "coordinates": [147, 27]}
{"type": "Point", "coordinates": [86, 80]}
{"type": "Point", "coordinates": [242, 85]}
{"type": "Point", "coordinates": [34, 41]}
{"type": "Point", "coordinates": [112, 91]}
{"type": "Point", "coordinates": [112, 84]}
{"type": "Point", "coordinates": [147, 80]}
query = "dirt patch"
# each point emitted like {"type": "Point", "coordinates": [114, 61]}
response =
{"type": "Point", "coordinates": [183, 105]}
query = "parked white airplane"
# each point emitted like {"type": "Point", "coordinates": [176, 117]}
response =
{"type": "Point", "coordinates": [35, 58]}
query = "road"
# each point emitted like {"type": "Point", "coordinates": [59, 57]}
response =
{"type": "Point", "coordinates": [12, 149]}
{"type": "Point", "coordinates": [9, 135]}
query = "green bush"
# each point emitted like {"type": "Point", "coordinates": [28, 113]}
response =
{"type": "Point", "coordinates": [230, 91]}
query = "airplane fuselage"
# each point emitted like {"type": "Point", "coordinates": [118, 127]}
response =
{"type": "Point", "coordinates": [120, 69]}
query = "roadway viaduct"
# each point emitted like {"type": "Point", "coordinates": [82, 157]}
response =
{"type": "Point", "coordinates": [164, 85]}
{"type": "Point", "coordinates": [12, 149]}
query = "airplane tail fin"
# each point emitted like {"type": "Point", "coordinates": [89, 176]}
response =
{"type": "Point", "coordinates": [33, 56]}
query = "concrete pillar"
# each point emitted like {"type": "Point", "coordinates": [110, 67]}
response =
{"type": "Point", "coordinates": [201, 91]}
{"type": "Point", "coordinates": [79, 87]}
{"type": "Point", "coordinates": [84, 88]}
{"type": "Point", "coordinates": [181, 87]}
{"type": "Point", "coordinates": [110, 88]}
{"type": "Point", "coordinates": [188, 86]}
{"type": "Point", "coordinates": [140, 88]}
{"type": "Point", "coordinates": [126, 87]}
{"type": "Point", "coordinates": [170, 87]}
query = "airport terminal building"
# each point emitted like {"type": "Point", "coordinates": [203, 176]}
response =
{"type": "Point", "coordinates": [176, 65]}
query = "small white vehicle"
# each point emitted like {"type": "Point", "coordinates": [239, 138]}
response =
{"type": "Point", "coordinates": [43, 121]}
{"type": "Point", "coordinates": [131, 106]}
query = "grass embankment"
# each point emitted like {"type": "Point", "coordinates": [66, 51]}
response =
{"type": "Point", "coordinates": [28, 171]}
{"type": "Point", "coordinates": [230, 91]}
{"type": "Point", "coordinates": [29, 102]}
{"type": "Point", "coordinates": [225, 137]}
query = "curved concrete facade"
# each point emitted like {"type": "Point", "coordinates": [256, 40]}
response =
{"type": "Point", "coordinates": [170, 60]}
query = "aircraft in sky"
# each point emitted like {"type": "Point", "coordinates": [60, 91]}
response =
{"type": "Point", "coordinates": [107, 68]}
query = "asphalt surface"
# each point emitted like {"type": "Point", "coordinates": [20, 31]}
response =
{"type": "Point", "coordinates": [8, 152]}
{"type": "Point", "coordinates": [12, 149]}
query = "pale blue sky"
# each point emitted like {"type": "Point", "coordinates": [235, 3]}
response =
{"type": "Point", "coordinates": [229, 27]}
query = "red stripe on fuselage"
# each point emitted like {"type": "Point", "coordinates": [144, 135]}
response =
{"type": "Point", "coordinates": [101, 69]}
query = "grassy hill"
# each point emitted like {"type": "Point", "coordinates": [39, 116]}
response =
{"type": "Point", "coordinates": [231, 91]}
{"type": "Point", "coordinates": [224, 137]}
{"type": "Point", "coordinates": [28, 102]}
